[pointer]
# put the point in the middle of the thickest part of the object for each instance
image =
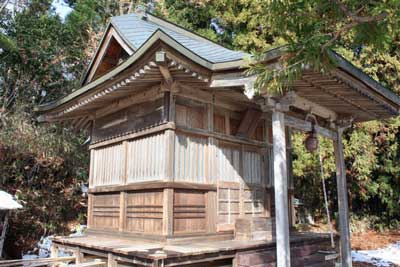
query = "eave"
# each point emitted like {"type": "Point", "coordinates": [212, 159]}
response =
{"type": "Point", "coordinates": [159, 35]}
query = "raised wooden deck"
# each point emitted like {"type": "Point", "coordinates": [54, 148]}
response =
{"type": "Point", "coordinates": [135, 252]}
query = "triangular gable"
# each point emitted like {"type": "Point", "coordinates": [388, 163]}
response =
{"type": "Point", "coordinates": [112, 51]}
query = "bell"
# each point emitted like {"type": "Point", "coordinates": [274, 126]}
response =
{"type": "Point", "coordinates": [311, 142]}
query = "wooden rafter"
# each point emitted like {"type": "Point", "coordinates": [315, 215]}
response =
{"type": "Point", "coordinates": [249, 123]}
{"type": "Point", "coordinates": [342, 98]}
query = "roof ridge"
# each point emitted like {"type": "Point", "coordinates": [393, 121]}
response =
{"type": "Point", "coordinates": [161, 22]}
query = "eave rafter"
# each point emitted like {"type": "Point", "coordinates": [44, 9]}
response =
{"type": "Point", "coordinates": [136, 76]}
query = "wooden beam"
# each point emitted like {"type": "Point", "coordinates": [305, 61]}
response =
{"type": "Point", "coordinates": [314, 108]}
{"type": "Point", "coordinates": [305, 126]}
{"type": "Point", "coordinates": [150, 94]}
{"type": "Point", "coordinates": [231, 80]}
{"type": "Point", "coordinates": [122, 211]}
{"type": "Point", "coordinates": [281, 189]}
{"type": "Point", "coordinates": [345, 246]}
{"type": "Point", "coordinates": [249, 123]}
{"type": "Point", "coordinates": [166, 74]}
{"type": "Point", "coordinates": [3, 232]}
{"type": "Point", "coordinates": [168, 212]}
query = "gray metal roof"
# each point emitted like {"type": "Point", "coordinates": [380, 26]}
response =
{"type": "Point", "coordinates": [136, 30]}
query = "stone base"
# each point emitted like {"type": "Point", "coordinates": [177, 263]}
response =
{"type": "Point", "coordinates": [302, 255]}
{"type": "Point", "coordinates": [256, 228]}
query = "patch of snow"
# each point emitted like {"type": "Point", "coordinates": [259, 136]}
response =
{"type": "Point", "coordinates": [30, 256]}
{"type": "Point", "coordinates": [61, 8]}
{"type": "Point", "coordinates": [80, 229]}
{"type": "Point", "coordinates": [383, 257]}
{"type": "Point", "coordinates": [7, 202]}
{"type": "Point", "coordinates": [43, 247]}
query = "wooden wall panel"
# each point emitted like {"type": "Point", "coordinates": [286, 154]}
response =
{"type": "Point", "coordinates": [190, 158]}
{"type": "Point", "coordinates": [189, 211]}
{"type": "Point", "coordinates": [108, 165]}
{"type": "Point", "coordinates": [146, 158]}
{"type": "Point", "coordinates": [105, 211]}
{"type": "Point", "coordinates": [191, 114]}
{"type": "Point", "coordinates": [144, 212]}
{"type": "Point", "coordinates": [228, 165]}
{"type": "Point", "coordinates": [252, 167]}
{"type": "Point", "coordinates": [127, 120]}
{"type": "Point", "coordinates": [228, 204]}
{"type": "Point", "coordinates": [254, 201]}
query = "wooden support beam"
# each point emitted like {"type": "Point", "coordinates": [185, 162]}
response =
{"type": "Point", "coordinates": [166, 74]}
{"type": "Point", "coordinates": [168, 212]}
{"type": "Point", "coordinates": [147, 95]}
{"type": "Point", "coordinates": [302, 125]}
{"type": "Point", "coordinates": [343, 205]}
{"type": "Point", "coordinates": [3, 232]}
{"type": "Point", "coordinates": [111, 262]}
{"type": "Point", "coordinates": [231, 80]}
{"type": "Point", "coordinates": [122, 211]}
{"type": "Point", "coordinates": [314, 108]}
{"type": "Point", "coordinates": [281, 189]}
{"type": "Point", "coordinates": [249, 123]}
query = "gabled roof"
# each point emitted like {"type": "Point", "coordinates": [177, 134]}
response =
{"type": "Point", "coordinates": [136, 30]}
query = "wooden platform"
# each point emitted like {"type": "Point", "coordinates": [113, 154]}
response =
{"type": "Point", "coordinates": [135, 252]}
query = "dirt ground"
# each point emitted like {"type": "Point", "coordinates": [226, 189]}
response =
{"type": "Point", "coordinates": [373, 240]}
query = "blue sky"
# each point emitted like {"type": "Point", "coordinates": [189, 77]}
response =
{"type": "Point", "coordinates": [61, 8]}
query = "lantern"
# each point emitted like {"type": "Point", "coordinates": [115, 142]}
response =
{"type": "Point", "coordinates": [311, 142]}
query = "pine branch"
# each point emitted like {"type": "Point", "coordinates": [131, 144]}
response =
{"type": "Point", "coordinates": [355, 20]}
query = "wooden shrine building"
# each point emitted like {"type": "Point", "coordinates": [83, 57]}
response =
{"type": "Point", "coordinates": [186, 169]}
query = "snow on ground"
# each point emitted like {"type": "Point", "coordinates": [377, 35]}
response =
{"type": "Point", "coordinates": [43, 247]}
{"type": "Point", "coordinates": [384, 257]}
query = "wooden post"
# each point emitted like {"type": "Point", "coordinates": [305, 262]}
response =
{"type": "Point", "coordinates": [168, 212]}
{"type": "Point", "coordinates": [122, 210]}
{"type": "Point", "coordinates": [53, 251]}
{"type": "Point", "coordinates": [345, 246]}
{"type": "Point", "coordinates": [78, 256]}
{"type": "Point", "coordinates": [3, 233]}
{"type": "Point", "coordinates": [281, 190]}
{"type": "Point", "coordinates": [111, 262]}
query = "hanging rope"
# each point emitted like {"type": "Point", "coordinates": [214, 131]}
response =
{"type": "Point", "coordinates": [313, 144]}
{"type": "Point", "coordinates": [321, 166]}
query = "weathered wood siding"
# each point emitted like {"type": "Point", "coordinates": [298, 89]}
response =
{"type": "Point", "coordinates": [189, 211]}
{"type": "Point", "coordinates": [144, 212]}
{"type": "Point", "coordinates": [107, 165]}
{"type": "Point", "coordinates": [105, 211]}
{"type": "Point", "coordinates": [190, 158]}
{"type": "Point", "coordinates": [128, 120]}
{"type": "Point", "coordinates": [228, 167]}
{"type": "Point", "coordinates": [228, 196]}
{"type": "Point", "coordinates": [253, 172]}
{"type": "Point", "coordinates": [190, 114]}
{"type": "Point", "coordinates": [146, 158]}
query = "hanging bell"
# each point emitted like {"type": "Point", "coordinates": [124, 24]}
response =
{"type": "Point", "coordinates": [311, 142]}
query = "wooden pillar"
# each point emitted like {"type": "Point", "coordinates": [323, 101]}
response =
{"type": "Point", "coordinates": [111, 262]}
{"type": "Point", "coordinates": [3, 233]}
{"type": "Point", "coordinates": [345, 246]}
{"type": "Point", "coordinates": [168, 212]}
{"type": "Point", "coordinates": [281, 189]}
{"type": "Point", "coordinates": [53, 251]}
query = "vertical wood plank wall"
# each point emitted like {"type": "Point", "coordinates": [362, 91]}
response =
{"type": "Point", "coordinates": [108, 165]}
{"type": "Point", "coordinates": [190, 158]}
{"type": "Point", "coordinates": [146, 158]}
{"type": "Point", "coordinates": [241, 173]}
